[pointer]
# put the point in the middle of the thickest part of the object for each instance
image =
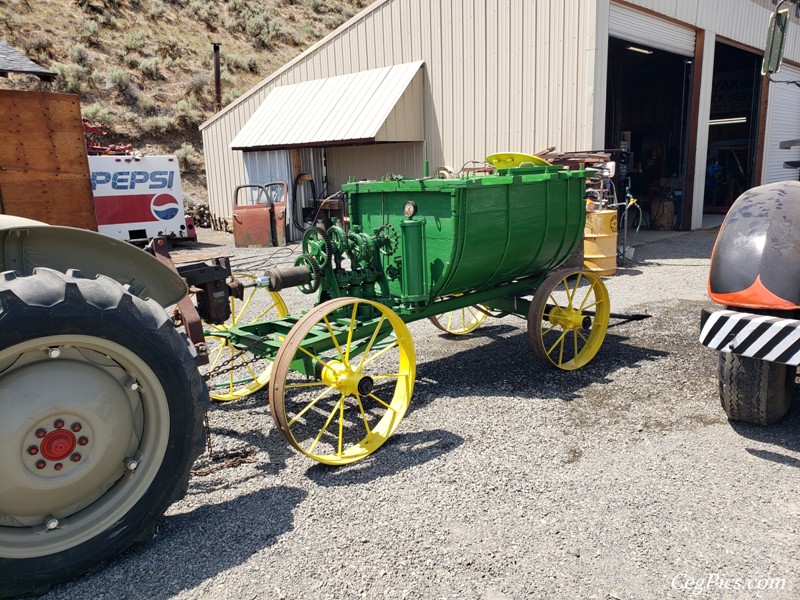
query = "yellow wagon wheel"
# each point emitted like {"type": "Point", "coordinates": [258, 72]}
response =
{"type": "Point", "coordinates": [362, 387]}
{"type": "Point", "coordinates": [568, 318]}
{"type": "Point", "coordinates": [461, 321]}
{"type": "Point", "coordinates": [240, 372]}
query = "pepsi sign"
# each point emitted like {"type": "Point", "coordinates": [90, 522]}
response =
{"type": "Point", "coordinates": [164, 207]}
{"type": "Point", "coordinates": [137, 198]}
{"type": "Point", "coordinates": [132, 180]}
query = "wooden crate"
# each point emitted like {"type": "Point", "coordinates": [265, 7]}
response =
{"type": "Point", "coordinates": [44, 171]}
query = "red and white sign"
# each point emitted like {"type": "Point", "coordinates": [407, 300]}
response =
{"type": "Point", "coordinates": [137, 198]}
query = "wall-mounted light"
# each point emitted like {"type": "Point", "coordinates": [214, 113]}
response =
{"type": "Point", "coordinates": [731, 121]}
{"type": "Point", "coordinates": [640, 50]}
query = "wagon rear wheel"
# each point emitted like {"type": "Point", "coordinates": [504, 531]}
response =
{"type": "Point", "coordinates": [101, 411]}
{"type": "Point", "coordinates": [568, 318]}
{"type": "Point", "coordinates": [359, 381]}
{"type": "Point", "coordinates": [461, 321]}
{"type": "Point", "coordinates": [240, 373]}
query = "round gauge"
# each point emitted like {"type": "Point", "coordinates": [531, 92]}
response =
{"type": "Point", "coordinates": [410, 208]}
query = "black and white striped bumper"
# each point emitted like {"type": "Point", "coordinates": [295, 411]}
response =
{"type": "Point", "coordinates": [756, 336]}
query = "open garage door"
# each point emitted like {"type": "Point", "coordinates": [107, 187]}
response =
{"type": "Point", "coordinates": [642, 28]}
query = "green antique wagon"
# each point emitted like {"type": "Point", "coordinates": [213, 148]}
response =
{"type": "Point", "coordinates": [453, 251]}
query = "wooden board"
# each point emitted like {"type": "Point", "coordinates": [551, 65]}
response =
{"type": "Point", "coordinates": [44, 171]}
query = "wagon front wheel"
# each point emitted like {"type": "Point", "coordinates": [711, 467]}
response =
{"type": "Point", "coordinates": [342, 380]}
{"type": "Point", "coordinates": [568, 318]}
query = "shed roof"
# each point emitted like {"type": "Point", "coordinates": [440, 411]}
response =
{"type": "Point", "coordinates": [378, 105]}
{"type": "Point", "coordinates": [11, 61]}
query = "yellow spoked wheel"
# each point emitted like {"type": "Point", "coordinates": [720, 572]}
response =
{"type": "Point", "coordinates": [239, 372]}
{"type": "Point", "coordinates": [568, 318]}
{"type": "Point", "coordinates": [461, 321]}
{"type": "Point", "coordinates": [362, 385]}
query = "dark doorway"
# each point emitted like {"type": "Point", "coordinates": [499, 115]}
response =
{"type": "Point", "coordinates": [733, 127]}
{"type": "Point", "coordinates": [647, 114]}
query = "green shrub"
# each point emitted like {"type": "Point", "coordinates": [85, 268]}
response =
{"type": "Point", "coordinates": [188, 112]}
{"type": "Point", "coordinates": [170, 49]}
{"type": "Point", "coordinates": [79, 55]}
{"type": "Point", "coordinates": [151, 68]}
{"type": "Point", "coordinates": [131, 61]}
{"type": "Point", "coordinates": [159, 124]}
{"type": "Point", "coordinates": [318, 6]}
{"type": "Point", "coordinates": [69, 77]}
{"type": "Point", "coordinates": [96, 114]}
{"type": "Point", "coordinates": [135, 41]}
{"type": "Point", "coordinates": [239, 62]}
{"type": "Point", "coordinates": [204, 11]}
{"type": "Point", "coordinates": [333, 21]}
{"type": "Point", "coordinates": [90, 31]}
{"type": "Point", "coordinates": [120, 78]}
{"type": "Point", "coordinates": [146, 105]}
{"type": "Point", "coordinates": [98, 78]}
{"type": "Point", "coordinates": [231, 95]}
{"type": "Point", "coordinates": [186, 156]}
{"type": "Point", "coordinates": [156, 10]}
{"type": "Point", "coordinates": [198, 84]}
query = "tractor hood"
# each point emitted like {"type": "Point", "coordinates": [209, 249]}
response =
{"type": "Point", "coordinates": [756, 259]}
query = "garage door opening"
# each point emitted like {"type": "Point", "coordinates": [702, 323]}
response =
{"type": "Point", "coordinates": [733, 127]}
{"type": "Point", "coordinates": [647, 115]}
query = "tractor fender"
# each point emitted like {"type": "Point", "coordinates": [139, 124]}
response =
{"type": "Point", "coordinates": [26, 244]}
{"type": "Point", "coordinates": [755, 263]}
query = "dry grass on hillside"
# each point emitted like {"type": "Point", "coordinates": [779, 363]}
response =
{"type": "Point", "coordinates": [144, 68]}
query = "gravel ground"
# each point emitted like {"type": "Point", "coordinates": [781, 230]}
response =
{"type": "Point", "coordinates": [506, 479]}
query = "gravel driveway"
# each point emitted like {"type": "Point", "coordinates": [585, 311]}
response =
{"type": "Point", "coordinates": [506, 479]}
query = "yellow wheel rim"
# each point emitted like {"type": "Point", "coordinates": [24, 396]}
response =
{"type": "Point", "coordinates": [241, 372]}
{"type": "Point", "coordinates": [462, 321]}
{"type": "Point", "coordinates": [362, 389]}
{"type": "Point", "coordinates": [568, 318]}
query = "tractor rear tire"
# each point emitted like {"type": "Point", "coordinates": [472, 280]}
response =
{"type": "Point", "coordinates": [101, 419]}
{"type": "Point", "coordinates": [754, 391]}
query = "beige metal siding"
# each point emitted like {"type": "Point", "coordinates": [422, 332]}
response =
{"type": "Point", "coordinates": [499, 75]}
{"type": "Point", "coordinates": [367, 162]}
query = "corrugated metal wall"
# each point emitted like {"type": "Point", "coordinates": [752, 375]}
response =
{"type": "Point", "coordinates": [499, 75]}
{"type": "Point", "coordinates": [364, 162]}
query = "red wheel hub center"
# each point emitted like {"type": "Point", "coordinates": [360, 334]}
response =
{"type": "Point", "coordinates": [58, 445]}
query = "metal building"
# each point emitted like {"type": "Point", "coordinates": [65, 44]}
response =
{"type": "Point", "coordinates": [675, 83]}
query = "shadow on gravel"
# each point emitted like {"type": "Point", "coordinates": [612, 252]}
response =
{"type": "Point", "coordinates": [500, 364]}
{"type": "Point", "coordinates": [782, 434]}
{"type": "Point", "coordinates": [255, 441]}
{"type": "Point", "coordinates": [401, 451]}
{"type": "Point", "coordinates": [199, 545]}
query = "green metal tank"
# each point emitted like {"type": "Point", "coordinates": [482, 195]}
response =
{"type": "Point", "coordinates": [472, 233]}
